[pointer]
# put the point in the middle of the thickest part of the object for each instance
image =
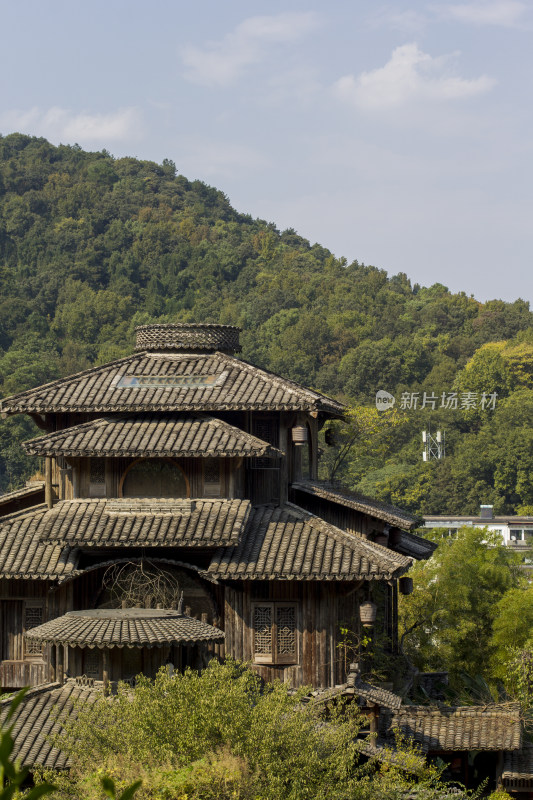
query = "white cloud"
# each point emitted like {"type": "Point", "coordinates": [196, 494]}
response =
{"type": "Point", "coordinates": [220, 63]}
{"type": "Point", "coordinates": [505, 13]}
{"type": "Point", "coordinates": [409, 76]}
{"type": "Point", "coordinates": [60, 124]}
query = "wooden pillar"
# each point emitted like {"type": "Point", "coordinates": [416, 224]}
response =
{"type": "Point", "coordinates": [48, 496]}
{"type": "Point", "coordinates": [60, 663]}
{"type": "Point", "coordinates": [53, 677]}
{"type": "Point", "coordinates": [499, 769]}
{"type": "Point", "coordinates": [395, 637]}
{"type": "Point", "coordinates": [313, 446]}
{"type": "Point", "coordinates": [105, 669]}
{"type": "Point", "coordinates": [374, 717]}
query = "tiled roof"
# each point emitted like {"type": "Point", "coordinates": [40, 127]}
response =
{"type": "Point", "coordinates": [179, 382]}
{"type": "Point", "coordinates": [40, 717]}
{"type": "Point", "coordinates": [144, 522]}
{"type": "Point", "coordinates": [358, 502]}
{"type": "Point", "coordinates": [287, 542]}
{"type": "Point", "coordinates": [407, 761]}
{"type": "Point", "coordinates": [518, 769]}
{"type": "Point", "coordinates": [479, 522]}
{"type": "Point", "coordinates": [151, 436]}
{"type": "Point", "coordinates": [23, 555]}
{"type": "Point", "coordinates": [491, 727]}
{"type": "Point", "coordinates": [120, 627]}
{"type": "Point", "coordinates": [31, 489]}
{"type": "Point", "coordinates": [412, 545]}
{"type": "Point", "coordinates": [377, 694]}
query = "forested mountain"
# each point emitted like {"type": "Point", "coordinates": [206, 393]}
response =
{"type": "Point", "coordinates": [91, 246]}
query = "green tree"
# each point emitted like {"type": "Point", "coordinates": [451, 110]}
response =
{"type": "Point", "coordinates": [448, 621]}
{"type": "Point", "coordinates": [222, 736]}
{"type": "Point", "coordinates": [512, 626]}
{"type": "Point", "coordinates": [356, 442]}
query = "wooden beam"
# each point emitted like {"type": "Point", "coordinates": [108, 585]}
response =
{"type": "Point", "coordinates": [52, 663]}
{"type": "Point", "coordinates": [105, 669]}
{"type": "Point", "coordinates": [48, 491]}
{"type": "Point", "coordinates": [40, 422]}
{"type": "Point", "coordinates": [60, 662]}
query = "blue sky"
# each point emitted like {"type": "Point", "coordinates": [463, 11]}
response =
{"type": "Point", "coordinates": [397, 134]}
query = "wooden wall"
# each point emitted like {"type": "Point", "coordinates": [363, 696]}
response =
{"type": "Point", "coordinates": [75, 482]}
{"type": "Point", "coordinates": [322, 609]}
{"type": "Point", "coordinates": [16, 668]}
{"type": "Point", "coordinates": [261, 480]}
{"type": "Point", "coordinates": [342, 517]}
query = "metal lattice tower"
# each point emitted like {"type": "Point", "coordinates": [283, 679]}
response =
{"type": "Point", "coordinates": [434, 445]}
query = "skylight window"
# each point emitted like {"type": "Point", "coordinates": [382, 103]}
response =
{"type": "Point", "coordinates": [169, 381]}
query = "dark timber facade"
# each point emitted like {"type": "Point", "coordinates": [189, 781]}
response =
{"type": "Point", "coordinates": [185, 466]}
{"type": "Point", "coordinates": [184, 456]}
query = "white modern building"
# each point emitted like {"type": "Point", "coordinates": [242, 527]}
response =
{"type": "Point", "coordinates": [516, 531]}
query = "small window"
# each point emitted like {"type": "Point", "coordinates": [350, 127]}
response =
{"type": "Point", "coordinates": [212, 483]}
{"type": "Point", "coordinates": [33, 616]}
{"type": "Point", "coordinates": [268, 431]}
{"type": "Point", "coordinates": [97, 477]}
{"type": "Point", "coordinates": [154, 477]}
{"type": "Point", "coordinates": [275, 633]}
{"type": "Point", "coordinates": [92, 662]}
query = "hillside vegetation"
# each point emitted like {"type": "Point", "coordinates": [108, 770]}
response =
{"type": "Point", "coordinates": [91, 246]}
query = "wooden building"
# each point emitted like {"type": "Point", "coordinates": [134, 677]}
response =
{"type": "Point", "coordinates": [185, 457]}
{"type": "Point", "coordinates": [182, 473]}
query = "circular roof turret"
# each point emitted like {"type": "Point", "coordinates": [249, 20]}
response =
{"type": "Point", "coordinates": [188, 338]}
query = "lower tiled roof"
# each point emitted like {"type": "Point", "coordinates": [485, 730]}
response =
{"type": "Point", "coordinates": [40, 717]}
{"type": "Point", "coordinates": [491, 727]}
{"type": "Point", "coordinates": [32, 490]}
{"type": "Point", "coordinates": [24, 555]}
{"type": "Point", "coordinates": [366, 691]}
{"type": "Point", "coordinates": [287, 542]}
{"type": "Point", "coordinates": [120, 627]}
{"type": "Point", "coordinates": [518, 768]}
{"type": "Point", "coordinates": [146, 522]}
{"type": "Point", "coordinates": [154, 436]}
{"type": "Point", "coordinates": [412, 545]}
{"type": "Point", "coordinates": [377, 694]}
{"type": "Point", "coordinates": [385, 754]}
{"type": "Point", "coordinates": [358, 502]}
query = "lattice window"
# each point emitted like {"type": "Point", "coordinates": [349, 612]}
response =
{"type": "Point", "coordinates": [33, 616]}
{"type": "Point", "coordinates": [212, 483]}
{"type": "Point", "coordinates": [92, 662]}
{"type": "Point", "coordinates": [97, 477]}
{"type": "Point", "coordinates": [286, 630]}
{"type": "Point", "coordinates": [97, 470]}
{"type": "Point", "coordinates": [275, 633]}
{"type": "Point", "coordinates": [263, 631]}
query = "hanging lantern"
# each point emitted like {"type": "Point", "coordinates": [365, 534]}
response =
{"type": "Point", "coordinates": [329, 437]}
{"type": "Point", "coordinates": [367, 613]}
{"type": "Point", "coordinates": [405, 585]}
{"type": "Point", "coordinates": [299, 435]}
